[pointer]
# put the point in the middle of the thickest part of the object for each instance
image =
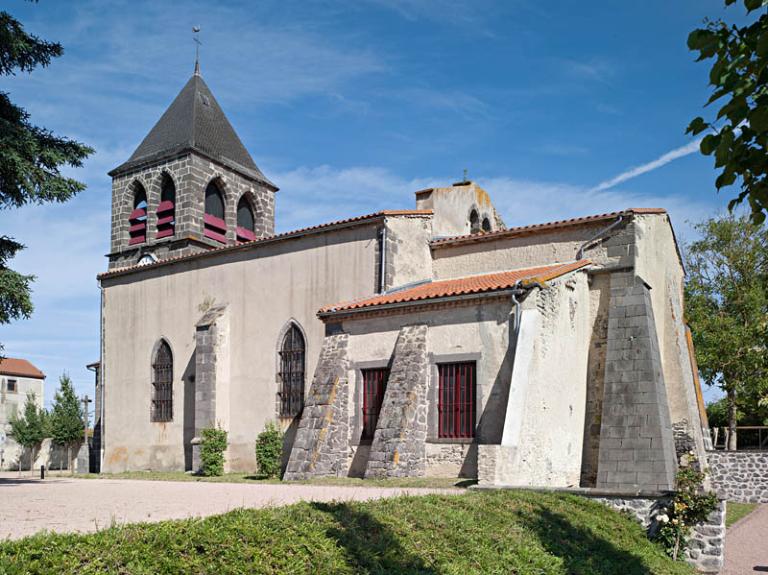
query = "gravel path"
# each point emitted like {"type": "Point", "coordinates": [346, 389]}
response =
{"type": "Point", "coordinates": [64, 505]}
{"type": "Point", "coordinates": [746, 544]}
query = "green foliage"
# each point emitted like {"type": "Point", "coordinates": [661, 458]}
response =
{"type": "Point", "coordinates": [491, 532]}
{"type": "Point", "coordinates": [738, 135]}
{"type": "Point", "coordinates": [66, 417]}
{"type": "Point", "coordinates": [269, 450]}
{"type": "Point", "coordinates": [29, 430]}
{"type": "Point", "coordinates": [690, 505]}
{"type": "Point", "coordinates": [727, 308]}
{"type": "Point", "coordinates": [30, 159]}
{"type": "Point", "coordinates": [212, 447]}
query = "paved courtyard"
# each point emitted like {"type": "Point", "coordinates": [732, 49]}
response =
{"type": "Point", "coordinates": [746, 544]}
{"type": "Point", "coordinates": [66, 504]}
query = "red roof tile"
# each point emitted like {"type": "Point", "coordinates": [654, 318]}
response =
{"type": "Point", "coordinates": [267, 239]}
{"type": "Point", "coordinates": [535, 228]}
{"type": "Point", "coordinates": [19, 368]}
{"type": "Point", "coordinates": [462, 286]}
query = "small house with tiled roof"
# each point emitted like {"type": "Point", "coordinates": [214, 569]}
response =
{"type": "Point", "coordinates": [18, 379]}
{"type": "Point", "coordinates": [431, 341]}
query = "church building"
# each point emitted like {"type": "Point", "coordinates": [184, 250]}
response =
{"type": "Point", "coordinates": [424, 340]}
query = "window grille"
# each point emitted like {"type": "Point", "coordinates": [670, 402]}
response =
{"type": "Point", "coordinates": [456, 400]}
{"type": "Point", "coordinates": [291, 374]}
{"type": "Point", "coordinates": [162, 384]}
{"type": "Point", "coordinates": [374, 385]}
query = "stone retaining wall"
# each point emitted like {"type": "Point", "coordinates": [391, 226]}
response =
{"type": "Point", "coordinates": [740, 475]}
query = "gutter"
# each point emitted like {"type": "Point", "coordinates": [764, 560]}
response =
{"type": "Point", "coordinates": [580, 253]}
{"type": "Point", "coordinates": [427, 301]}
{"type": "Point", "coordinates": [382, 255]}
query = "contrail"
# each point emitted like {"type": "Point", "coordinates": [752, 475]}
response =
{"type": "Point", "coordinates": [680, 152]}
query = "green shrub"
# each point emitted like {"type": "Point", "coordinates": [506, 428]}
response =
{"type": "Point", "coordinates": [269, 450]}
{"type": "Point", "coordinates": [690, 505]}
{"type": "Point", "coordinates": [212, 447]}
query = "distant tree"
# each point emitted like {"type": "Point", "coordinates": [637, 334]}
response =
{"type": "Point", "coordinates": [727, 308]}
{"type": "Point", "coordinates": [30, 158]}
{"type": "Point", "coordinates": [66, 417]}
{"type": "Point", "coordinates": [739, 131]}
{"type": "Point", "coordinates": [29, 430]}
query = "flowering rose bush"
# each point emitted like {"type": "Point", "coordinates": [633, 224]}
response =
{"type": "Point", "coordinates": [689, 506]}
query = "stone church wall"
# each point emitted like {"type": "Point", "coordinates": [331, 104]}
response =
{"type": "Point", "coordinates": [167, 301]}
{"type": "Point", "coordinates": [542, 438]}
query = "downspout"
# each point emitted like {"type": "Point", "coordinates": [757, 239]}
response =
{"type": "Point", "coordinates": [382, 254]}
{"type": "Point", "coordinates": [102, 380]}
{"type": "Point", "coordinates": [580, 253]}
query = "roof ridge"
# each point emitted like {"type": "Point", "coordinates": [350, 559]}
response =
{"type": "Point", "coordinates": [532, 228]}
{"type": "Point", "coordinates": [274, 237]}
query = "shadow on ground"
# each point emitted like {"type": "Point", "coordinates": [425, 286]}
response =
{"type": "Point", "coordinates": [581, 550]}
{"type": "Point", "coordinates": [370, 547]}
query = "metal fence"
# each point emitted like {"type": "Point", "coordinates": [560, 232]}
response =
{"type": "Point", "coordinates": [748, 437]}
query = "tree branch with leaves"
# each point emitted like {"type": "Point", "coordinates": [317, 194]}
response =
{"type": "Point", "coordinates": [738, 134]}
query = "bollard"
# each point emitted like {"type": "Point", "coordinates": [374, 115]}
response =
{"type": "Point", "coordinates": [42, 472]}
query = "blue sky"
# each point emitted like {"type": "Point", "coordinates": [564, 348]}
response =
{"type": "Point", "coordinates": [350, 106]}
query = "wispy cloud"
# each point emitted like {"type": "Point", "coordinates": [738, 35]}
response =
{"type": "Point", "coordinates": [663, 160]}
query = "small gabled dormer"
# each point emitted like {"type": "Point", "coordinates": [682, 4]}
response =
{"type": "Point", "coordinates": [190, 186]}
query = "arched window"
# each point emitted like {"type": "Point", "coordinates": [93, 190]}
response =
{"type": "Point", "coordinates": [137, 220]}
{"type": "Point", "coordinates": [486, 225]}
{"type": "Point", "coordinates": [166, 211]}
{"type": "Point", "coordinates": [292, 351]}
{"type": "Point", "coordinates": [215, 226]}
{"type": "Point", "coordinates": [162, 384]}
{"type": "Point", "coordinates": [246, 226]}
{"type": "Point", "coordinates": [474, 222]}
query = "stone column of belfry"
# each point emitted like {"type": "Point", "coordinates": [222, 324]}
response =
{"type": "Point", "coordinates": [398, 448]}
{"type": "Point", "coordinates": [321, 446]}
{"type": "Point", "coordinates": [637, 450]}
{"type": "Point", "coordinates": [211, 355]}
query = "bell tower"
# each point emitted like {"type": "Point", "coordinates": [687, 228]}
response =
{"type": "Point", "coordinates": [190, 186]}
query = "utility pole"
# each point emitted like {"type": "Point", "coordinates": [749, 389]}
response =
{"type": "Point", "coordinates": [86, 400]}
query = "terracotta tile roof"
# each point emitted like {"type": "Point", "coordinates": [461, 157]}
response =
{"type": "Point", "coordinates": [20, 368]}
{"type": "Point", "coordinates": [536, 228]}
{"type": "Point", "coordinates": [462, 286]}
{"type": "Point", "coordinates": [265, 240]}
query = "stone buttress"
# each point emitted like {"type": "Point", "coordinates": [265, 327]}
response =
{"type": "Point", "coordinates": [636, 442]}
{"type": "Point", "coordinates": [398, 448]}
{"type": "Point", "coordinates": [322, 440]}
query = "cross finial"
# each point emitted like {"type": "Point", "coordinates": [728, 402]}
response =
{"type": "Point", "coordinates": [198, 43]}
{"type": "Point", "coordinates": [465, 175]}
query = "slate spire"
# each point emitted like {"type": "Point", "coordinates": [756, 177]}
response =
{"type": "Point", "coordinates": [195, 121]}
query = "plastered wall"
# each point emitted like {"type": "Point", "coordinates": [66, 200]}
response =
{"type": "Point", "coordinates": [263, 289]}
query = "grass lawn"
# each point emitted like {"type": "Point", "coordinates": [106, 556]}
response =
{"type": "Point", "coordinates": [735, 511]}
{"type": "Point", "coordinates": [492, 532]}
{"type": "Point", "coordinates": [434, 482]}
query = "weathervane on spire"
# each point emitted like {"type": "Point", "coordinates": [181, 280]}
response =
{"type": "Point", "coordinates": [198, 43]}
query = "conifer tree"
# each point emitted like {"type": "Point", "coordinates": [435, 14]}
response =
{"type": "Point", "coordinates": [29, 430]}
{"type": "Point", "coordinates": [30, 159]}
{"type": "Point", "coordinates": [66, 418]}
